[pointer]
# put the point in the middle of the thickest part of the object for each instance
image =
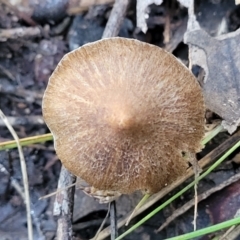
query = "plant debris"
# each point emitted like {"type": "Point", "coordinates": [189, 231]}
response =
{"type": "Point", "coordinates": [33, 39]}
{"type": "Point", "coordinates": [219, 57]}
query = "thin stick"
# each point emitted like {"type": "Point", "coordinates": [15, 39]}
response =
{"type": "Point", "coordinates": [116, 18]}
{"type": "Point", "coordinates": [24, 175]}
{"type": "Point", "coordinates": [195, 205]}
{"type": "Point", "coordinates": [197, 170]}
{"type": "Point", "coordinates": [63, 205]}
{"type": "Point", "coordinates": [113, 220]}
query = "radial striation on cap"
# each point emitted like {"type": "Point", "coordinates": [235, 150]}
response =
{"type": "Point", "coordinates": [122, 112]}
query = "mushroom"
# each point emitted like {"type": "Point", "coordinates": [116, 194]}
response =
{"type": "Point", "coordinates": [122, 113]}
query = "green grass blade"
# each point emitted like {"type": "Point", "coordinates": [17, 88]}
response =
{"type": "Point", "coordinates": [207, 230]}
{"type": "Point", "coordinates": [212, 134]}
{"type": "Point", "coordinates": [26, 141]}
{"type": "Point", "coordinates": [219, 161]}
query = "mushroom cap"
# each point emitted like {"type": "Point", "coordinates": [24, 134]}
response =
{"type": "Point", "coordinates": [122, 112]}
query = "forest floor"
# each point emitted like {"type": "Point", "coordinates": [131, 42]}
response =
{"type": "Point", "coordinates": [32, 42]}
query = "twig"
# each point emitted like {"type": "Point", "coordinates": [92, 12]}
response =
{"type": "Point", "coordinates": [196, 200]}
{"type": "Point", "coordinates": [24, 175]}
{"type": "Point", "coordinates": [63, 205]}
{"type": "Point", "coordinates": [197, 170]}
{"type": "Point", "coordinates": [20, 32]}
{"type": "Point", "coordinates": [116, 18]}
{"type": "Point", "coordinates": [167, 27]}
{"type": "Point", "coordinates": [201, 197]}
{"type": "Point", "coordinates": [113, 220]}
{"type": "Point", "coordinates": [203, 163]}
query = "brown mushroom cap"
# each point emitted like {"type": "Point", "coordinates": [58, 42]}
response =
{"type": "Point", "coordinates": [122, 112]}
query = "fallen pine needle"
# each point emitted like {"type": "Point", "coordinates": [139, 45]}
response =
{"type": "Point", "coordinates": [24, 175]}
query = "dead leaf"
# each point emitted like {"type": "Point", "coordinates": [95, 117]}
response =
{"type": "Point", "coordinates": [219, 57]}
{"type": "Point", "coordinates": [142, 14]}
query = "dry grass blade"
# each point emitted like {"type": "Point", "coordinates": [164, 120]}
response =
{"type": "Point", "coordinates": [57, 191]}
{"type": "Point", "coordinates": [24, 175]}
{"type": "Point", "coordinates": [102, 224]}
{"type": "Point", "coordinates": [116, 18]}
{"type": "Point", "coordinates": [232, 233]}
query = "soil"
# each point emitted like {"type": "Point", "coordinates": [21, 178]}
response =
{"type": "Point", "coordinates": [26, 62]}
